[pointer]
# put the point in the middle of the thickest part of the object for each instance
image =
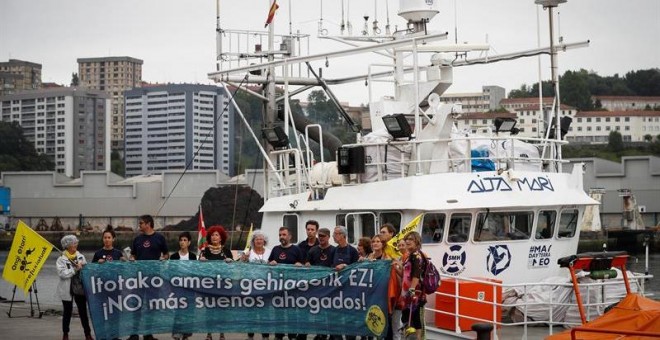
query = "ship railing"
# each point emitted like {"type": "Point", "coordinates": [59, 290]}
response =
{"type": "Point", "coordinates": [291, 170]}
{"type": "Point", "coordinates": [502, 323]}
{"type": "Point", "coordinates": [415, 156]}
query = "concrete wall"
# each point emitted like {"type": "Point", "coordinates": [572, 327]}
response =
{"type": "Point", "coordinates": [105, 198]}
{"type": "Point", "coordinates": [640, 174]}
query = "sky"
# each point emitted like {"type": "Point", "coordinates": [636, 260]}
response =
{"type": "Point", "coordinates": [176, 38]}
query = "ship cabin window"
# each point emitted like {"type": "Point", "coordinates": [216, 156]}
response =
{"type": "Point", "coordinates": [433, 227]}
{"type": "Point", "coordinates": [545, 225]}
{"type": "Point", "coordinates": [291, 221]}
{"type": "Point", "coordinates": [459, 228]}
{"type": "Point", "coordinates": [503, 225]}
{"type": "Point", "coordinates": [391, 217]}
{"type": "Point", "coordinates": [567, 223]}
{"type": "Point", "coordinates": [358, 225]}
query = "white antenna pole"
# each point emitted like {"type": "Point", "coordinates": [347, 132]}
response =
{"type": "Point", "coordinates": [542, 117]}
{"type": "Point", "coordinates": [290, 29]}
{"type": "Point", "coordinates": [218, 37]}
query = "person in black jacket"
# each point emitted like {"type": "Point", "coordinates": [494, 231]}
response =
{"type": "Point", "coordinates": [183, 254]}
{"type": "Point", "coordinates": [184, 244]}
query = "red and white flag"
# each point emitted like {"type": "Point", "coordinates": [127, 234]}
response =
{"type": "Point", "coordinates": [201, 231]}
{"type": "Point", "coordinates": [271, 12]}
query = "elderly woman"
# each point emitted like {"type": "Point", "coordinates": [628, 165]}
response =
{"type": "Point", "coordinates": [68, 265]}
{"type": "Point", "coordinates": [258, 253]}
{"type": "Point", "coordinates": [216, 251]}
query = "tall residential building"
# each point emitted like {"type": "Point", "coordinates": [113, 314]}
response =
{"type": "Point", "coordinates": [69, 124]}
{"type": "Point", "coordinates": [171, 126]}
{"type": "Point", "coordinates": [113, 75]}
{"type": "Point", "coordinates": [488, 99]}
{"type": "Point", "coordinates": [17, 75]}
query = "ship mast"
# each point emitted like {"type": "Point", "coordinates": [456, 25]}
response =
{"type": "Point", "coordinates": [549, 5]}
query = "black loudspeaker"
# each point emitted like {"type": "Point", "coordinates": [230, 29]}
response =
{"type": "Point", "coordinates": [350, 160]}
{"type": "Point", "coordinates": [564, 125]}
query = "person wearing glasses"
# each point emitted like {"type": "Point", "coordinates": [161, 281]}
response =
{"type": "Point", "coordinates": [149, 245]}
{"type": "Point", "coordinates": [345, 254]}
{"type": "Point", "coordinates": [412, 293]}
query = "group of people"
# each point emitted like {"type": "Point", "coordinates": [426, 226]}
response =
{"type": "Point", "coordinates": [405, 297]}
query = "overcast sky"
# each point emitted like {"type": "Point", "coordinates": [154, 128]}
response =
{"type": "Point", "coordinates": [176, 38]}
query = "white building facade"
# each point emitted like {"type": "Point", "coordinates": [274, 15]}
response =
{"type": "Point", "coordinates": [488, 99]}
{"type": "Point", "coordinates": [71, 125]}
{"type": "Point", "coordinates": [595, 126]}
{"type": "Point", "coordinates": [627, 103]}
{"type": "Point", "coordinates": [176, 126]}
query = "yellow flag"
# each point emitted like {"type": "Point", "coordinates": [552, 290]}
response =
{"type": "Point", "coordinates": [391, 248]}
{"type": "Point", "coordinates": [247, 244]}
{"type": "Point", "coordinates": [29, 251]}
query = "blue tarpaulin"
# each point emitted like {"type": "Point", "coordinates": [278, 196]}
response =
{"type": "Point", "coordinates": [154, 297]}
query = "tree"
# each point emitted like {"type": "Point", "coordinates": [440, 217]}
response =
{"type": "Point", "coordinates": [644, 82]}
{"type": "Point", "coordinates": [74, 79]}
{"type": "Point", "coordinates": [615, 141]}
{"type": "Point", "coordinates": [575, 90]}
{"type": "Point", "coordinates": [117, 163]}
{"type": "Point", "coordinates": [648, 138]}
{"type": "Point", "coordinates": [18, 154]}
{"type": "Point", "coordinates": [320, 109]}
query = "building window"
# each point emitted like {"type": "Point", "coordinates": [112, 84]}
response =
{"type": "Point", "coordinates": [588, 120]}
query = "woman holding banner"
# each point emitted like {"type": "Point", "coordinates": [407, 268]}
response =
{"type": "Point", "coordinates": [108, 253]}
{"type": "Point", "coordinates": [258, 254]}
{"type": "Point", "coordinates": [216, 251]}
{"type": "Point", "coordinates": [413, 298]}
{"type": "Point", "coordinates": [69, 289]}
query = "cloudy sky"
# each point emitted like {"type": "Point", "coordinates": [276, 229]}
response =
{"type": "Point", "coordinates": [176, 38]}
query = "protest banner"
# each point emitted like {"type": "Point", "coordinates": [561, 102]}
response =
{"type": "Point", "coordinates": [155, 297]}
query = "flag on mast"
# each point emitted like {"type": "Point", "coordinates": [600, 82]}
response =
{"type": "Point", "coordinates": [29, 251]}
{"type": "Point", "coordinates": [271, 13]}
{"type": "Point", "coordinates": [201, 231]}
{"type": "Point", "coordinates": [247, 244]}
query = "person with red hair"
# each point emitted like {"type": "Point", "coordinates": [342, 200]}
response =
{"type": "Point", "coordinates": [216, 251]}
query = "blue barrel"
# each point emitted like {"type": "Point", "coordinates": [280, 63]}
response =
{"type": "Point", "coordinates": [5, 200]}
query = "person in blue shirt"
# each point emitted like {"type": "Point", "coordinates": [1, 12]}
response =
{"type": "Point", "coordinates": [345, 254]}
{"type": "Point", "coordinates": [149, 245]}
{"type": "Point", "coordinates": [108, 253]}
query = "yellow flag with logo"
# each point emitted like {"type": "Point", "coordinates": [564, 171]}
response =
{"type": "Point", "coordinates": [391, 249]}
{"type": "Point", "coordinates": [29, 251]}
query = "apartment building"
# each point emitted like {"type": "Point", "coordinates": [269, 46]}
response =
{"type": "Point", "coordinates": [534, 123]}
{"type": "Point", "coordinates": [627, 103]}
{"type": "Point", "coordinates": [18, 75]}
{"type": "Point", "coordinates": [112, 75]}
{"type": "Point", "coordinates": [488, 99]}
{"type": "Point", "coordinates": [595, 126]}
{"type": "Point", "coordinates": [172, 126]}
{"type": "Point", "coordinates": [512, 104]}
{"type": "Point", "coordinates": [480, 122]}
{"type": "Point", "coordinates": [68, 124]}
